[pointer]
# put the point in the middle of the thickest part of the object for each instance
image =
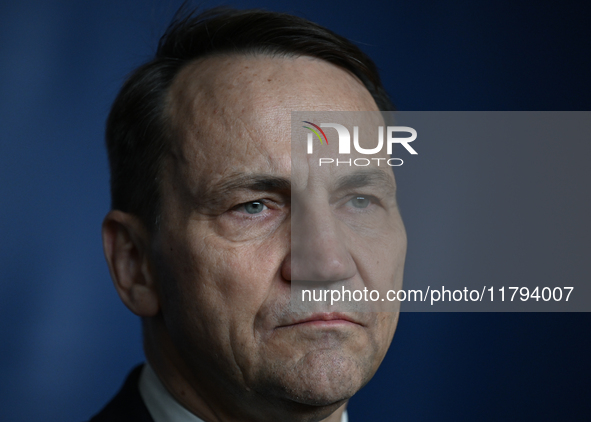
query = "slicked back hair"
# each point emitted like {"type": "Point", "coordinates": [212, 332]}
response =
{"type": "Point", "coordinates": [138, 131]}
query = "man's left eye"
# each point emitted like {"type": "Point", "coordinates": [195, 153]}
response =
{"type": "Point", "coordinates": [254, 207]}
{"type": "Point", "coordinates": [360, 201]}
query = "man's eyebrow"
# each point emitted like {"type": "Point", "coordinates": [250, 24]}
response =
{"type": "Point", "coordinates": [214, 196]}
{"type": "Point", "coordinates": [369, 177]}
{"type": "Point", "coordinates": [254, 182]}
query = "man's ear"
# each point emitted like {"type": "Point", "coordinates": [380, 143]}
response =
{"type": "Point", "coordinates": [127, 248]}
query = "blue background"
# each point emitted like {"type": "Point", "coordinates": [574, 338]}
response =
{"type": "Point", "coordinates": [66, 341]}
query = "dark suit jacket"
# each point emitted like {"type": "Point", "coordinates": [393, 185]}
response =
{"type": "Point", "coordinates": [127, 405]}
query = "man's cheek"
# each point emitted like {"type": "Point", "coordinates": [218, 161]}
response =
{"type": "Point", "coordinates": [234, 271]}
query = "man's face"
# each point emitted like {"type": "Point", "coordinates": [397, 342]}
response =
{"type": "Point", "coordinates": [223, 249]}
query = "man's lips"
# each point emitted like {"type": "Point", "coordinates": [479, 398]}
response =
{"type": "Point", "coordinates": [323, 319]}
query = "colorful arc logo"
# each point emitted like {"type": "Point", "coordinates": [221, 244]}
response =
{"type": "Point", "coordinates": [316, 133]}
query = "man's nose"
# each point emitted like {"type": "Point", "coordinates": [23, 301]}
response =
{"type": "Point", "coordinates": [319, 250]}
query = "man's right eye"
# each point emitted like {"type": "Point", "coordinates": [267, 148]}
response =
{"type": "Point", "coordinates": [253, 207]}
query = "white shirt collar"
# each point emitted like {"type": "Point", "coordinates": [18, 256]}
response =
{"type": "Point", "coordinates": [160, 403]}
{"type": "Point", "coordinates": [162, 406]}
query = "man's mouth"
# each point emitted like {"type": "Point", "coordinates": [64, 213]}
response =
{"type": "Point", "coordinates": [324, 319]}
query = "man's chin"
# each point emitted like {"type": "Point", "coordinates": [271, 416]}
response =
{"type": "Point", "coordinates": [323, 378]}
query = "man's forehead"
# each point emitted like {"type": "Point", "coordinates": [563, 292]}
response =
{"type": "Point", "coordinates": [232, 113]}
{"type": "Point", "coordinates": [223, 92]}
